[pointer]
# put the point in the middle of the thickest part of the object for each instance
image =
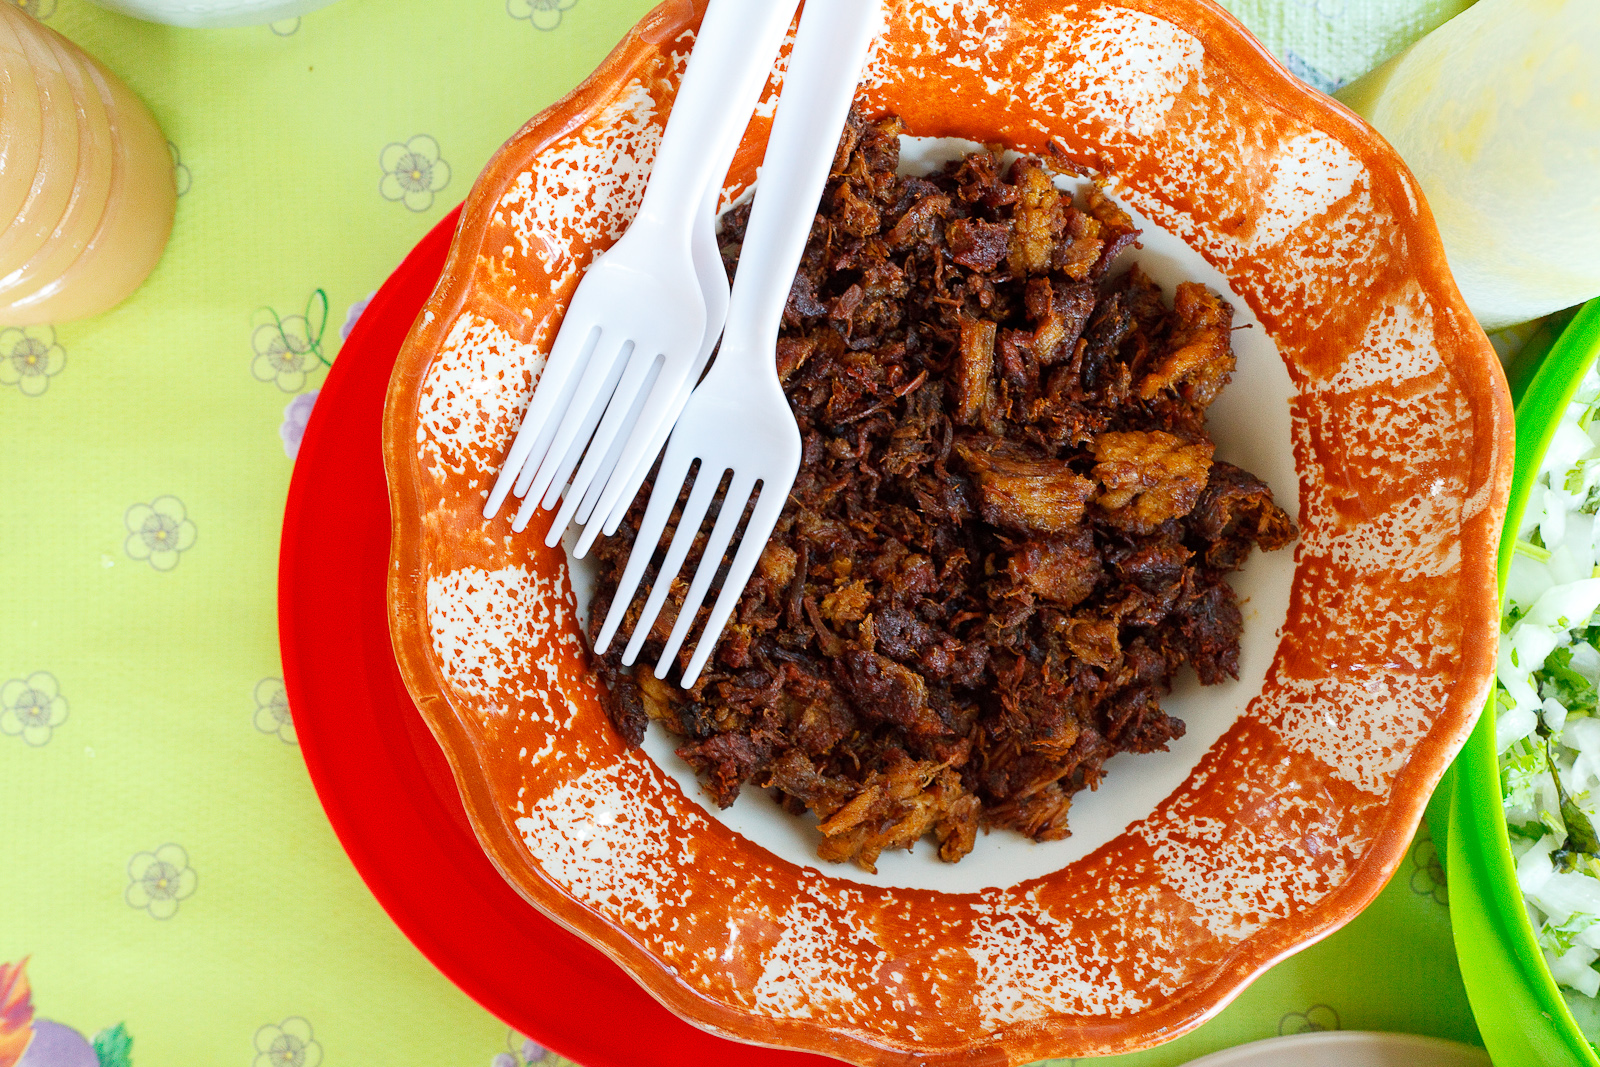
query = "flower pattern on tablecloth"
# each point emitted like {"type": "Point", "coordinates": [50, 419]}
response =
{"type": "Point", "coordinates": [180, 172]}
{"type": "Point", "coordinates": [289, 348]}
{"type": "Point", "coordinates": [32, 707]}
{"type": "Point", "coordinates": [413, 172]}
{"type": "Point", "coordinates": [524, 1051]}
{"type": "Point", "coordinates": [353, 315]}
{"type": "Point", "coordinates": [1316, 1018]}
{"type": "Point", "coordinates": [158, 880]}
{"type": "Point", "coordinates": [30, 357]}
{"type": "Point", "coordinates": [289, 1044]}
{"type": "Point", "coordinates": [1427, 875]}
{"type": "Point", "coordinates": [272, 710]}
{"type": "Point", "coordinates": [295, 418]}
{"type": "Point", "coordinates": [544, 14]}
{"type": "Point", "coordinates": [159, 532]}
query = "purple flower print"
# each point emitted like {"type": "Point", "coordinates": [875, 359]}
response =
{"type": "Point", "coordinates": [355, 312]}
{"type": "Point", "coordinates": [295, 418]}
{"type": "Point", "coordinates": [523, 1051]}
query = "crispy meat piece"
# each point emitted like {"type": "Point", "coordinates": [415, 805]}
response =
{"type": "Point", "coordinates": [725, 762]}
{"type": "Point", "coordinates": [976, 365]}
{"type": "Point", "coordinates": [1236, 511]}
{"type": "Point", "coordinates": [886, 690]}
{"type": "Point", "coordinates": [823, 723]}
{"type": "Point", "coordinates": [894, 809]}
{"type": "Point", "coordinates": [1007, 536]}
{"type": "Point", "coordinates": [1041, 815]}
{"type": "Point", "coordinates": [977, 244]}
{"type": "Point", "coordinates": [1039, 219]}
{"type": "Point", "coordinates": [1064, 570]}
{"type": "Point", "coordinates": [777, 564]}
{"type": "Point", "coordinates": [1108, 212]}
{"type": "Point", "coordinates": [620, 697]}
{"type": "Point", "coordinates": [1153, 564]}
{"type": "Point", "coordinates": [848, 603]}
{"type": "Point", "coordinates": [1149, 476]}
{"type": "Point", "coordinates": [1021, 490]}
{"type": "Point", "coordinates": [1078, 253]}
{"type": "Point", "coordinates": [1061, 313]}
{"type": "Point", "coordinates": [956, 828]}
{"type": "Point", "coordinates": [919, 222]}
{"type": "Point", "coordinates": [1094, 641]}
{"type": "Point", "coordinates": [1209, 621]}
{"type": "Point", "coordinates": [852, 214]}
{"type": "Point", "coordinates": [794, 775]}
{"type": "Point", "coordinates": [1199, 359]}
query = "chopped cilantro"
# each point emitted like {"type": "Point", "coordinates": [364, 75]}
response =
{"type": "Point", "coordinates": [1559, 939]}
{"type": "Point", "coordinates": [1570, 689]}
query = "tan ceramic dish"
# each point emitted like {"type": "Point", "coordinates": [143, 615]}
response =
{"type": "Point", "coordinates": [1290, 814]}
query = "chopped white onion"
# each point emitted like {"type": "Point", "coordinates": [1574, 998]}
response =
{"type": "Point", "coordinates": [1552, 594]}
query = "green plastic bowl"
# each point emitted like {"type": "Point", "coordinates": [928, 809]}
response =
{"type": "Point", "coordinates": [1520, 1012]}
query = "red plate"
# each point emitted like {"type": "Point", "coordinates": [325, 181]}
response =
{"type": "Point", "coordinates": [383, 781]}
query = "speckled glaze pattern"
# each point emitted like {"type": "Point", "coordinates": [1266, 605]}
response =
{"type": "Point", "coordinates": [1286, 827]}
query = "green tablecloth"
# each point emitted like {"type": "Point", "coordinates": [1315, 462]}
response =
{"type": "Point", "coordinates": [164, 863]}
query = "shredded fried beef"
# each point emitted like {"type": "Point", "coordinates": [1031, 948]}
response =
{"type": "Point", "coordinates": [1008, 533]}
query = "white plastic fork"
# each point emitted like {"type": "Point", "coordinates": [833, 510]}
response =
{"type": "Point", "coordinates": [638, 316]}
{"type": "Point", "coordinates": [714, 291]}
{"type": "Point", "coordinates": [738, 419]}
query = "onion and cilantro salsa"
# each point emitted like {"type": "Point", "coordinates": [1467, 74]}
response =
{"type": "Point", "coordinates": [1548, 729]}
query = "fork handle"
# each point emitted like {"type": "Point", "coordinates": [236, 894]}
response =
{"type": "Point", "coordinates": [733, 56]}
{"type": "Point", "coordinates": [830, 49]}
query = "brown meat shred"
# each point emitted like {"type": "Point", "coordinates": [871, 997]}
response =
{"type": "Point", "coordinates": [1009, 532]}
{"type": "Point", "coordinates": [1149, 477]}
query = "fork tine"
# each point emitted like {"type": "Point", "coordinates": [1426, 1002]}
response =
{"type": "Point", "coordinates": [694, 513]}
{"type": "Point", "coordinates": [733, 505]}
{"type": "Point", "coordinates": [520, 478]}
{"type": "Point", "coordinates": [531, 503]}
{"type": "Point", "coordinates": [656, 514]}
{"type": "Point", "coordinates": [641, 374]}
{"type": "Point", "coordinates": [590, 385]}
{"type": "Point", "coordinates": [553, 423]}
{"type": "Point", "coordinates": [648, 431]}
{"type": "Point", "coordinates": [591, 495]}
{"type": "Point", "coordinates": [751, 545]}
{"type": "Point", "coordinates": [554, 387]}
{"type": "Point", "coordinates": [618, 493]}
{"type": "Point", "coordinates": [575, 452]}
{"type": "Point", "coordinates": [622, 486]}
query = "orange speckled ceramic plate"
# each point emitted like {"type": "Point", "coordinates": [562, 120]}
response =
{"type": "Point", "coordinates": [1366, 396]}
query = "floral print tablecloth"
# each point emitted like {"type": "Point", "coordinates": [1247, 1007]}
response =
{"type": "Point", "coordinates": [165, 869]}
